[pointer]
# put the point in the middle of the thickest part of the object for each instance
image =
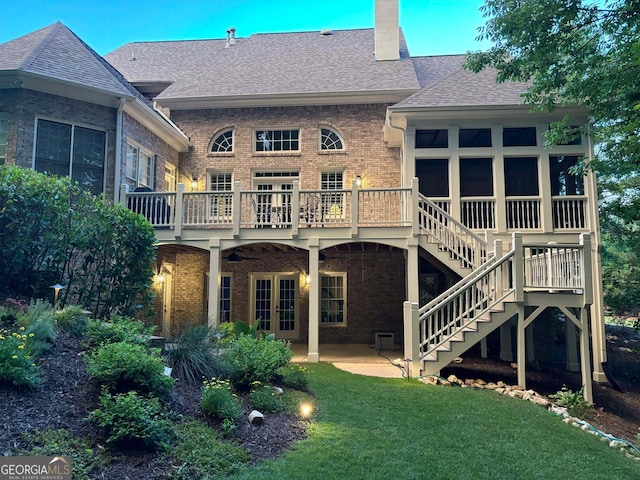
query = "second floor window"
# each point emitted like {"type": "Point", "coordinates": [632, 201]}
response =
{"type": "Point", "coordinates": [223, 143]}
{"type": "Point", "coordinates": [332, 202]}
{"type": "Point", "coordinates": [140, 167]}
{"type": "Point", "coordinates": [277, 140]}
{"type": "Point", "coordinates": [71, 150]}
{"type": "Point", "coordinates": [330, 140]}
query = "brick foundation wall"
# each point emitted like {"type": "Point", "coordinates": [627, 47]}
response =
{"type": "Point", "coordinates": [375, 289]}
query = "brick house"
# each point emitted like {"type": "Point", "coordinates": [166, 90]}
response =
{"type": "Point", "coordinates": [331, 188]}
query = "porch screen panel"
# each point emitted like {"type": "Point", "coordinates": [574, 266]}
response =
{"type": "Point", "coordinates": [476, 181]}
{"type": "Point", "coordinates": [286, 305]}
{"type": "Point", "coordinates": [433, 177]}
{"type": "Point", "coordinates": [263, 304]}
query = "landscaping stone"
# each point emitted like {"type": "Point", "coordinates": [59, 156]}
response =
{"type": "Point", "coordinates": [278, 390]}
{"type": "Point", "coordinates": [256, 418]}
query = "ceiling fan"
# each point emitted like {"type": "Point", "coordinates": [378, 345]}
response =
{"type": "Point", "coordinates": [234, 257]}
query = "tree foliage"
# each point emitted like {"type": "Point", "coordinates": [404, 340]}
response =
{"type": "Point", "coordinates": [53, 231]}
{"type": "Point", "coordinates": [583, 53]}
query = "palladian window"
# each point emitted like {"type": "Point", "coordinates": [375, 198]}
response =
{"type": "Point", "coordinates": [223, 143]}
{"type": "Point", "coordinates": [330, 140]}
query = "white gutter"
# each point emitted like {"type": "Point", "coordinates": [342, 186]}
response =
{"type": "Point", "coordinates": [167, 119]}
{"type": "Point", "coordinates": [402, 131]}
{"type": "Point", "coordinates": [116, 176]}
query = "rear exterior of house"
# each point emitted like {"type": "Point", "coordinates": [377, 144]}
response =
{"type": "Point", "coordinates": [333, 189]}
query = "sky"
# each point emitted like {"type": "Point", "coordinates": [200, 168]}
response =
{"type": "Point", "coordinates": [431, 27]}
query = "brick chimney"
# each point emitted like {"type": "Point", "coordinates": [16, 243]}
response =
{"type": "Point", "coordinates": [387, 30]}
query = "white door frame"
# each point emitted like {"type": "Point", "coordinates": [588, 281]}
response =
{"type": "Point", "coordinates": [277, 303]}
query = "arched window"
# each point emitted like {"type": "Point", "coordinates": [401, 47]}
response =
{"type": "Point", "coordinates": [223, 143]}
{"type": "Point", "coordinates": [330, 140]}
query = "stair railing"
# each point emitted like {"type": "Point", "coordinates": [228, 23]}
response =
{"type": "Point", "coordinates": [453, 236]}
{"type": "Point", "coordinates": [451, 312]}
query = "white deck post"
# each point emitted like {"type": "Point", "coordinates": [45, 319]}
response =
{"type": "Point", "coordinates": [521, 349]}
{"type": "Point", "coordinates": [518, 267]}
{"type": "Point", "coordinates": [214, 283]}
{"type": "Point", "coordinates": [295, 208]}
{"type": "Point", "coordinates": [179, 209]}
{"type": "Point", "coordinates": [585, 355]}
{"type": "Point", "coordinates": [412, 336]}
{"type": "Point", "coordinates": [237, 207]}
{"type": "Point", "coordinates": [313, 355]}
{"type": "Point", "coordinates": [355, 207]}
{"type": "Point", "coordinates": [415, 211]}
{"type": "Point", "coordinates": [412, 279]}
{"type": "Point", "coordinates": [124, 189]}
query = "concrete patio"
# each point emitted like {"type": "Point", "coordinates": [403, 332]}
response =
{"type": "Point", "coordinates": [356, 358]}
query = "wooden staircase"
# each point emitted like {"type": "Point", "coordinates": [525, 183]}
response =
{"type": "Point", "coordinates": [474, 307]}
{"type": "Point", "coordinates": [493, 289]}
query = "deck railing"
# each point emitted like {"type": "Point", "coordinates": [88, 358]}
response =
{"type": "Point", "coordinates": [350, 208]}
{"type": "Point", "coordinates": [452, 235]}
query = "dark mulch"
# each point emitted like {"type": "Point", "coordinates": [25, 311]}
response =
{"type": "Point", "coordinates": [67, 395]}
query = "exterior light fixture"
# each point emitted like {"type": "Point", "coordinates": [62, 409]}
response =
{"type": "Point", "coordinates": [306, 409]}
{"type": "Point", "coordinates": [358, 181]}
{"type": "Point", "coordinates": [307, 279]}
{"type": "Point", "coordinates": [194, 183]}
{"type": "Point", "coordinates": [56, 291]}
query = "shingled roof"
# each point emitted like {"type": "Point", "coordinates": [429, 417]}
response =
{"type": "Point", "coordinates": [267, 64]}
{"type": "Point", "coordinates": [446, 84]}
{"type": "Point", "coordinates": [55, 52]}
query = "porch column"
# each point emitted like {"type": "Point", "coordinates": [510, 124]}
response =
{"type": "Point", "coordinates": [214, 282]}
{"type": "Point", "coordinates": [521, 348]}
{"type": "Point", "coordinates": [572, 346]}
{"type": "Point", "coordinates": [412, 271]}
{"type": "Point", "coordinates": [585, 359]}
{"type": "Point", "coordinates": [498, 174]}
{"type": "Point", "coordinates": [313, 355]}
{"type": "Point", "coordinates": [454, 172]}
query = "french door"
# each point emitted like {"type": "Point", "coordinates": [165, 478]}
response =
{"type": "Point", "coordinates": [274, 303]}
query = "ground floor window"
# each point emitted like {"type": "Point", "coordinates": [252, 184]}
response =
{"type": "Point", "coordinates": [225, 298]}
{"type": "Point", "coordinates": [333, 299]}
{"type": "Point", "coordinates": [71, 150]}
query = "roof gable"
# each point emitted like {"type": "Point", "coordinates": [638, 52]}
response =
{"type": "Point", "coordinates": [55, 52]}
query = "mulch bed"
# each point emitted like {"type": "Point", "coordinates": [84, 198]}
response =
{"type": "Point", "coordinates": [66, 396]}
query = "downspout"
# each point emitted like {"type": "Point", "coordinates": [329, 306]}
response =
{"type": "Point", "coordinates": [402, 149]}
{"type": "Point", "coordinates": [117, 173]}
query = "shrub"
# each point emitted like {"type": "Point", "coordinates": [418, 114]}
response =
{"type": "Point", "coordinates": [72, 320]}
{"type": "Point", "coordinates": [224, 334]}
{"type": "Point", "coordinates": [132, 418]}
{"type": "Point", "coordinates": [37, 323]}
{"type": "Point", "coordinates": [124, 366]}
{"type": "Point", "coordinates": [194, 356]}
{"type": "Point", "coordinates": [84, 459]}
{"type": "Point", "coordinates": [250, 359]}
{"type": "Point", "coordinates": [17, 362]}
{"type": "Point", "coordinates": [574, 402]}
{"type": "Point", "coordinates": [293, 376]}
{"type": "Point", "coordinates": [265, 399]}
{"type": "Point", "coordinates": [199, 453]}
{"type": "Point", "coordinates": [119, 329]}
{"type": "Point", "coordinates": [218, 400]}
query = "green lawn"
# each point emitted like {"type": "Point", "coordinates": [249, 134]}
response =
{"type": "Point", "coordinates": [374, 428]}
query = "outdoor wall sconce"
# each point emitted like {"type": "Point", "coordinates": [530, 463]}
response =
{"type": "Point", "coordinates": [194, 184]}
{"type": "Point", "coordinates": [358, 181]}
{"type": "Point", "coordinates": [307, 279]}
